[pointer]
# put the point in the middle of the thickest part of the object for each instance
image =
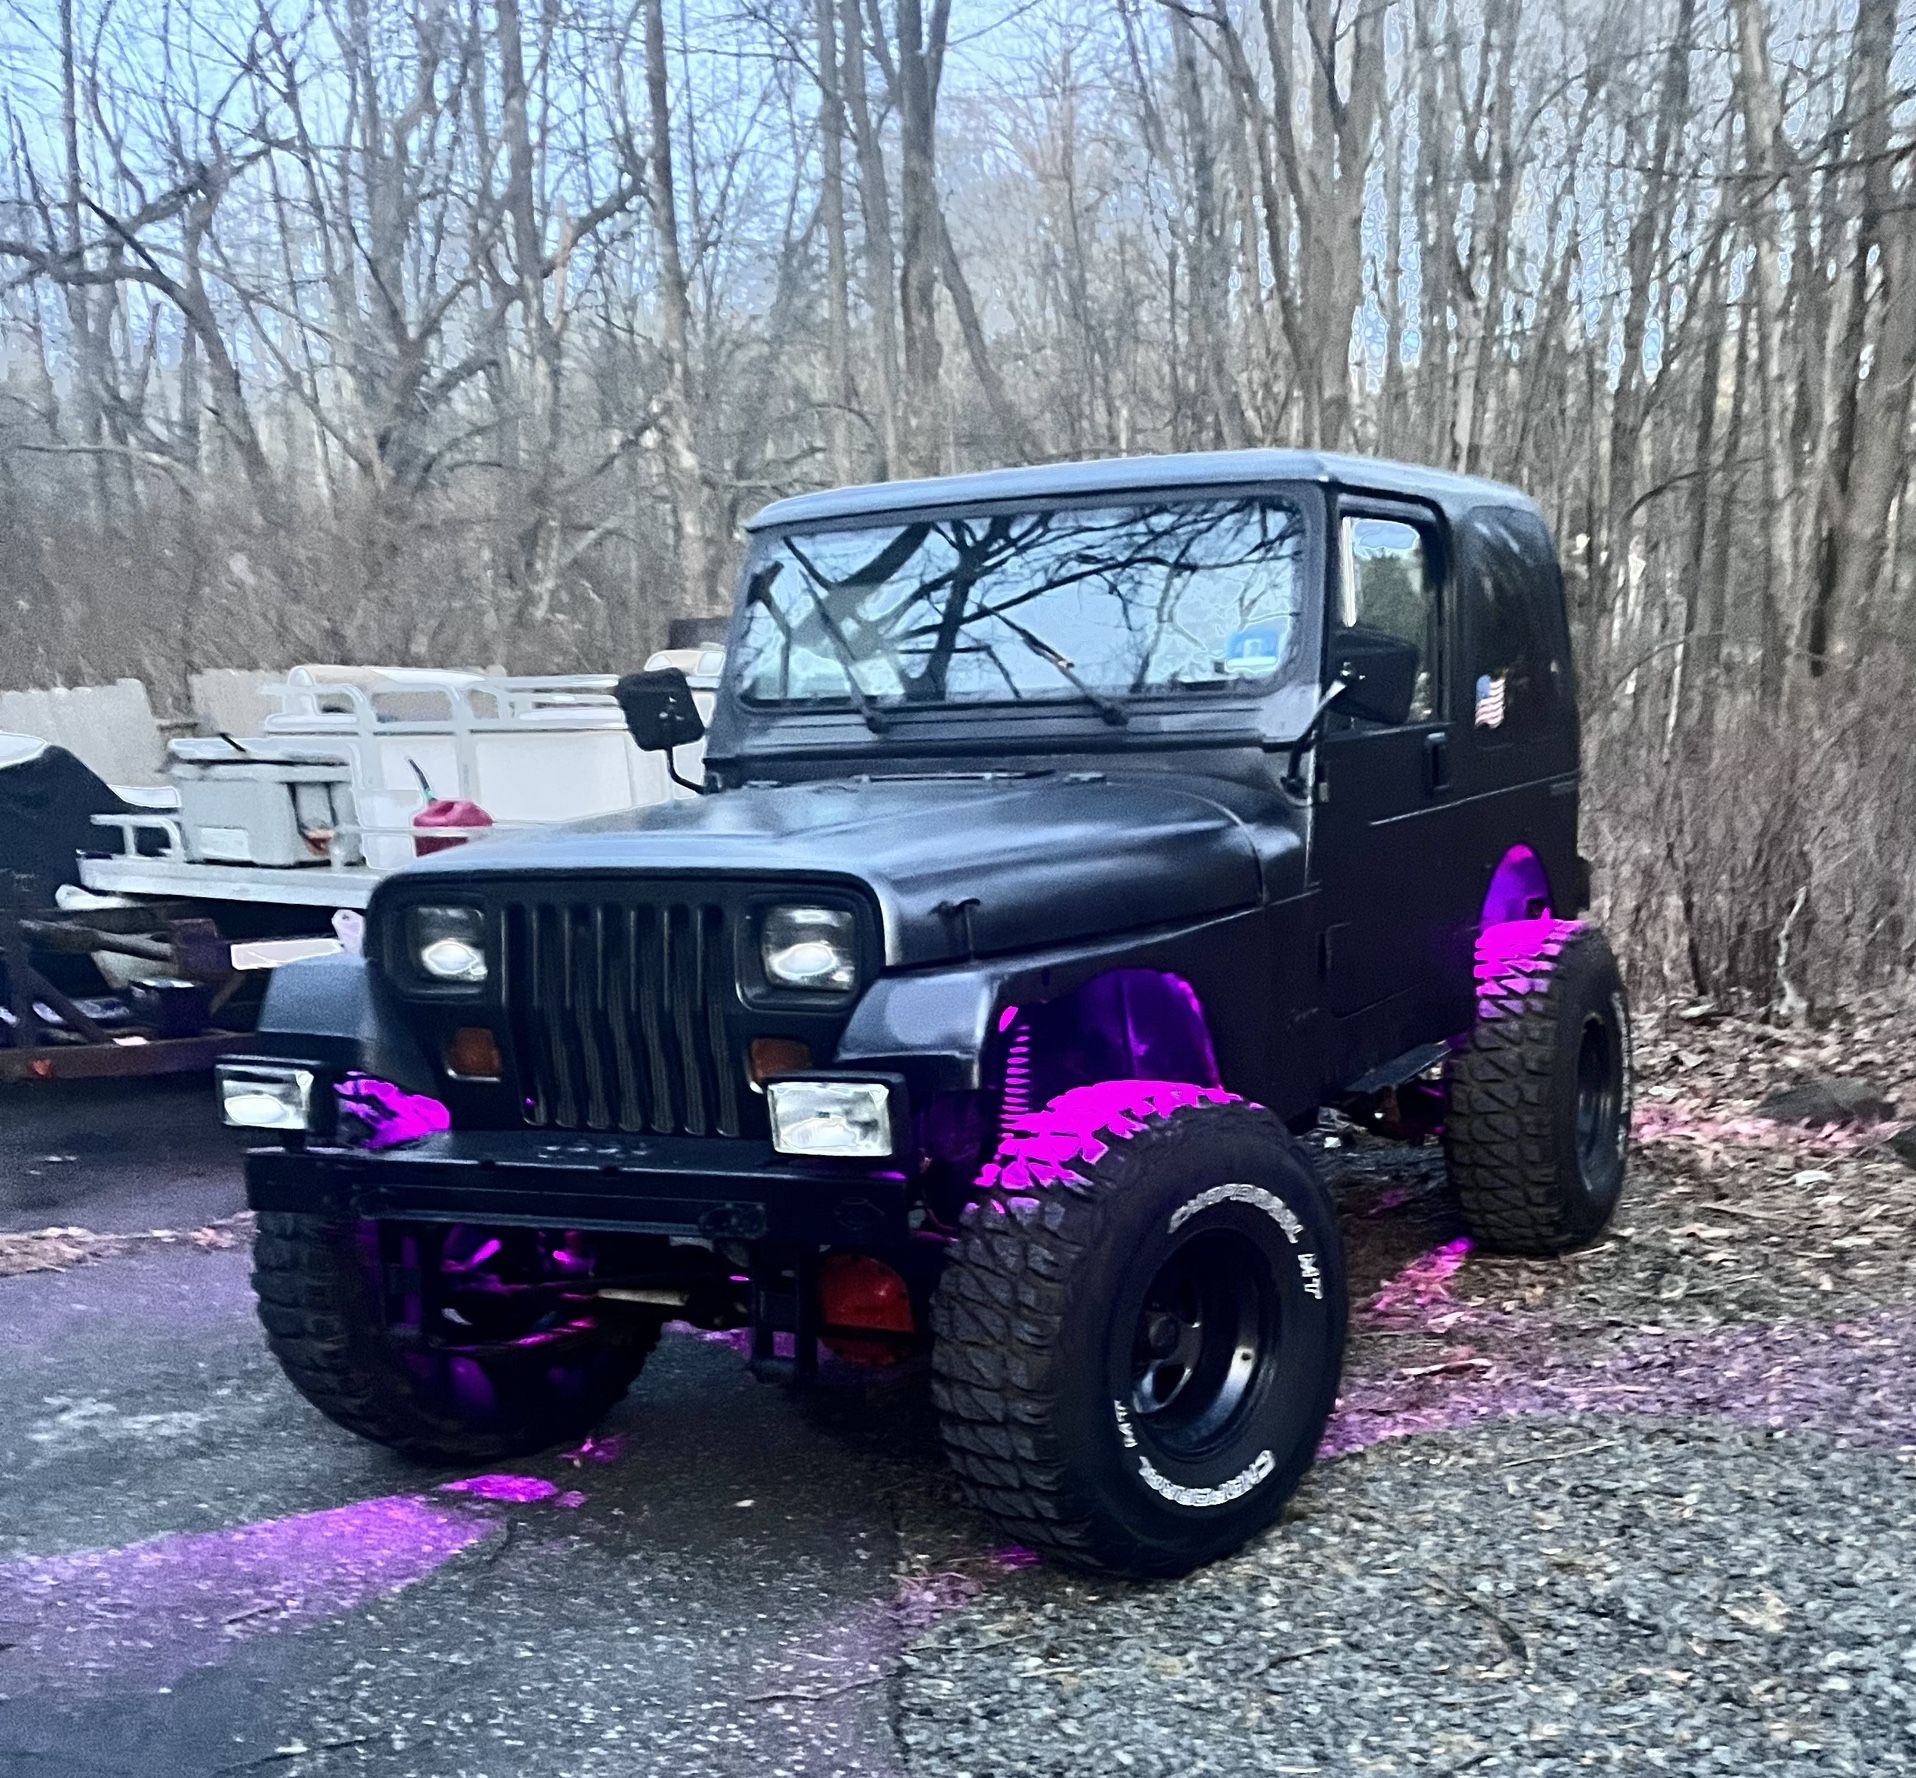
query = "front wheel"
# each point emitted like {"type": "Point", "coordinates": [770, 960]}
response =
{"type": "Point", "coordinates": [1139, 1337]}
{"type": "Point", "coordinates": [1538, 1124]}
{"type": "Point", "coordinates": [449, 1343]}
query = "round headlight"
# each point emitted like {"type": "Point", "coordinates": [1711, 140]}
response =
{"type": "Point", "coordinates": [809, 948]}
{"type": "Point", "coordinates": [449, 944]}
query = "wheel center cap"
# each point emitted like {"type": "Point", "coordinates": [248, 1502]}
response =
{"type": "Point", "coordinates": [1161, 1333]}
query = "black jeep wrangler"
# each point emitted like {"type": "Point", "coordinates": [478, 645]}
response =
{"type": "Point", "coordinates": [1069, 839]}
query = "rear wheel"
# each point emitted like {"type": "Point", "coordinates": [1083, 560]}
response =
{"type": "Point", "coordinates": [1538, 1123]}
{"type": "Point", "coordinates": [448, 1343]}
{"type": "Point", "coordinates": [1138, 1340]}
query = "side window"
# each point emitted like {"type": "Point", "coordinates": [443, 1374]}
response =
{"type": "Point", "coordinates": [1519, 673]}
{"type": "Point", "coordinates": [1389, 583]}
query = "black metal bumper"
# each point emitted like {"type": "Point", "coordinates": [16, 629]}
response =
{"type": "Point", "coordinates": [717, 1188]}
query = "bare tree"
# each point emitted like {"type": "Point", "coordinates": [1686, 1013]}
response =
{"type": "Point", "coordinates": [470, 331]}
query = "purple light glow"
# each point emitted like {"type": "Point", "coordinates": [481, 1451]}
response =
{"type": "Point", "coordinates": [390, 1115]}
{"type": "Point", "coordinates": [1853, 1380]}
{"type": "Point", "coordinates": [1518, 890]}
{"type": "Point", "coordinates": [1511, 941]}
{"type": "Point", "coordinates": [1007, 1019]}
{"type": "Point", "coordinates": [1155, 1023]}
{"type": "Point", "coordinates": [515, 1490]}
{"type": "Point", "coordinates": [1422, 1285]}
{"type": "Point", "coordinates": [1071, 1129]}
{"type": "Point", "coordinates": [1847, 1380]}
{"type": "Point", "coordinates": [148, 1613]}
{"type": "Point", "coordinates": [153, 1611]}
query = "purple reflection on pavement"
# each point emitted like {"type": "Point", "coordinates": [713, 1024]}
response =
{"type": "Point", "coordinates": [516, 1490]}
{"type": "Point", "coordinates": [152, 1611]}
{"type": "Point", "coordinates": [1853, 1380]}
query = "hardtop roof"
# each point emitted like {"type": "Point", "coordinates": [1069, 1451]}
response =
{"type": "Point", "coordinates": [1137, 475]}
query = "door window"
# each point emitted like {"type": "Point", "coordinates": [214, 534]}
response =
{"type": "Point", "coordinates": [1388, 584]}
{"type": "Point", "coordinates": [1519, 665]}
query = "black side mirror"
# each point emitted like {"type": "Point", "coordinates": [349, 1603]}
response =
{"type": "Point", "coordinates": [659, 710]}
{"type": "Point", "coordinates": [1380, 671]}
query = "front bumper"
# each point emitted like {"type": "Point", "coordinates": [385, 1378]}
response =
{"type": "Point", "coordinates": [702, 1187]}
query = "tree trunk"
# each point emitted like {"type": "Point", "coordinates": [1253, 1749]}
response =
{"type": "Point", "coordinates": [684, 466]}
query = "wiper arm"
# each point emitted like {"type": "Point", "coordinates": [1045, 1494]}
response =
{"type": "Point", "coordinates": [1110, 708]}
{"type": "Point", "coordinates": [874, 714]}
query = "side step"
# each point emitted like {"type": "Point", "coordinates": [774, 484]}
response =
{"type": "Point", "coordinates": [1398, 1071]}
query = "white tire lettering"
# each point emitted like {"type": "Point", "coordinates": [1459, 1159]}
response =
{"type": "Point", "coordinates": [1622, 1015]}
{"type": "Point", "coordinates": [1255, 1195]}
{"type": "Point", "coordinates": [1223, 1494]}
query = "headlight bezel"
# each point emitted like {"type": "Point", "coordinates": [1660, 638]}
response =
{"type": "Point", "coordinates": [436, 925]}
{"type": "Point", "coordinates": [822, 920]}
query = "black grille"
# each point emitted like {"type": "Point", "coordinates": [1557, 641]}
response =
{"type": "Point", "coordinates": [617, 1014]}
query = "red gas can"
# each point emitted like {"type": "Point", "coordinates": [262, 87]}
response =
{"type": "Point", "coordinates": [446, 812]}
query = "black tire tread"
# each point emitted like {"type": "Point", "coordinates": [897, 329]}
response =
{"type": "Point", "coordinates": [330, 1355]}
{"type": "Point", "coordinates": [996, 1313]}
{"type": "Point", "coordinates": [1499, 1131]}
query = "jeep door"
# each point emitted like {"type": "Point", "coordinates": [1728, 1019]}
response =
{"type": "Point", "coordinates": [1399, 902]}
{"type": "Point", "coordinates": [1515, 775]}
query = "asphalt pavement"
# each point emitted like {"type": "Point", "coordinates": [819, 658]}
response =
{"type": "Point", "coordinates": [199, 1575]}
{"type": "Point", "coordinates": [116, 1157]}
{"type": "Point", "coordinates": [1647, 1509]}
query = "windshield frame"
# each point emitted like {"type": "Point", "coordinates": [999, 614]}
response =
{"type": "Point", "coordinates": [1157, 716]}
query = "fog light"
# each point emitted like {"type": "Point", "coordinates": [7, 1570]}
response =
{"type": "Point", "coordinates": [258, 1098]}
{"type": "Point", "coordinates": [849, 1118]}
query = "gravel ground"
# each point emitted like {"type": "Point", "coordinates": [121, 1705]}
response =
{"type": "Point", "coordinates": [1651, 1508]}
{"type": "Point", "coordinates": [1588, 1594]}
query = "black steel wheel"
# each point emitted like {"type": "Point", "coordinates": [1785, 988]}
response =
{"type": "Point", "coordinates": [447, 1342]}
{"type": "Point", "coordinates": [1138, 1340]}
{"type": "Point", "coordinates": [1537, 1130]}
{"type": "Point", "coordinates": [1203, 1341]}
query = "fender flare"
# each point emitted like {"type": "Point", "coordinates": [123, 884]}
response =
{"type": "Point", "coordinates": [938, 1026]}
{"type": "Point", "coordinates": [329, 1013]}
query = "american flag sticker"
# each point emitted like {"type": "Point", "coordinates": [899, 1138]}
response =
{"type": "Point", "coordinates": [1490, 701]}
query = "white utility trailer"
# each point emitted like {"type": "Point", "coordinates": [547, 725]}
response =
{"type": "Point", "coordinates": [265, 848]}
{"type": "Point", "coordinates": [312, 811]}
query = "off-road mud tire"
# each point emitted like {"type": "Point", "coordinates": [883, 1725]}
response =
{"type": "Point", "coordinates": [1530, 1184]}
{"type": "Point", "coordinates": [323, 1322]}
{"type": "Point", "coordinates": [1037, 1310]}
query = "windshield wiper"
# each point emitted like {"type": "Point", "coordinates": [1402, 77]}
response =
{"type": "Point", "coordinates": [1110, 708]}
{"type": "Point", "coordinates": [876, 717]}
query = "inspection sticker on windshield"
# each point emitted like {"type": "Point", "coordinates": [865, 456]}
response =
{"type": "Point", "coordinates": [1255, 650]}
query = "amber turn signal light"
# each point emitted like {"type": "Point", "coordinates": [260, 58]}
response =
{"type": "Point", "coordinates": [773, 1056]}
{"type": "Point", "coordinates": [473, 1054]}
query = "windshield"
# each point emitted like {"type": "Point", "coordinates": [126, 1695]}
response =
{"type": "Point", "coordinates": [1090, 604]}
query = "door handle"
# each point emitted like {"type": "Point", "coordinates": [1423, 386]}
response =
{"type": "Point", "coordinates": [1437, 762]}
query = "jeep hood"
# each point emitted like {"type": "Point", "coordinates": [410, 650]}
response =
{"type": "Point", "coordinates": [1050, 857]}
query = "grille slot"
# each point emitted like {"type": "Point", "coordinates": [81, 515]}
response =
{"type": "Point", "coordinates": [617, 1014]}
